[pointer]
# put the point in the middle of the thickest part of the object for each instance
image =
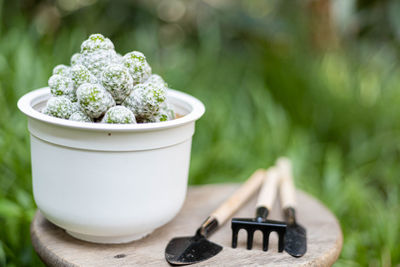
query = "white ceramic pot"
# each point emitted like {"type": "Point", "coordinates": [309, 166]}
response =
{"type": "Point", "coordinates": [110, 183]}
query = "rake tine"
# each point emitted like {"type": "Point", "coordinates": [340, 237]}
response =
{"type": "Point", "coordinates": [266, 240]}
{"type": "Point", "coordinates": [235, 232]}
{"type": "Point", "coordinates": [250, 235]}
{"type": "Point", "coordinates": [281, 235]}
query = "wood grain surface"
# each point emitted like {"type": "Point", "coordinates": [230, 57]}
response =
{"type": "Point", "coordinates": [56, 248]}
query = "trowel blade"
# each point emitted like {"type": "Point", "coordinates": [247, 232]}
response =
{"type": "Point", "coordinates": [190, 249]}
{"type": "Point", "coordinates": [295, 240]}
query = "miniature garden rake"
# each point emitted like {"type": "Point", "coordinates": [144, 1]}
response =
{"type": "Point", "coordinates": [265, 202]}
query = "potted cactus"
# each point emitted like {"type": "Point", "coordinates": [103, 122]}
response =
{"type": "Point", "coordinates": [110, 145]}
{"type": "Point", "coordinates": [100, 79]}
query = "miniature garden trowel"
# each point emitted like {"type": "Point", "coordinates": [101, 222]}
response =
{"type": "Point", "coordinates": [265, 202]}
{"type": "Point", "coordinates": [193, 249]}
{"type": "Point", "coordinates": [295, 237]}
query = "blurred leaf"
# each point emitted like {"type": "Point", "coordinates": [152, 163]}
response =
{"type": "Point", "coordinates": [2, 255]}
{"type": "Point", "coordinates": [9, 209]}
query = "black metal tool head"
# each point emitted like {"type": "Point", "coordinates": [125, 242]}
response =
{"type": "Point", "coordinates": [296, 236]}
{"type": "Point", "coordinates": [258, 224]}
{"type": "Point", "coordinates": [190, 249]}
{"type": "Point", "coordinates": [295, 240]}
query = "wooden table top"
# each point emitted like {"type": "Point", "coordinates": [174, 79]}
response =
{"type": "Point", "coordinates": [324, 237]}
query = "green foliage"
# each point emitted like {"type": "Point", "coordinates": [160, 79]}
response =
{"type": "Point", "coordinates": [268, 92]}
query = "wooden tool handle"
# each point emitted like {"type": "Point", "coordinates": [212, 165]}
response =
{"type": "Point", "coordinates": [269, 189]}
{"type": "Point", "coordinates": [229, 207]}
{"type": "Point", "coordinates": [287, 190]}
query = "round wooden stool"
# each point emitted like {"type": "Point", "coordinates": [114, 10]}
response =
{"type": "Point", "coordinates": [324, 237]}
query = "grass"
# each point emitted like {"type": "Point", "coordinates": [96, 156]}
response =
{"type": "Point", "coordinates": [334, 113]}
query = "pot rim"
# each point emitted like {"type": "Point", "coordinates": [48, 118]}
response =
{"type": "Point", "coordinates": [27, 101]}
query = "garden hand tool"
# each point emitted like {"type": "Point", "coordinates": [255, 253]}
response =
{"type": "Point", "coordinates": [193, 249]}
{"type": "Point", "coordinates": [265, 202]}
{"type": "Point", "coordinates": [295, 237]}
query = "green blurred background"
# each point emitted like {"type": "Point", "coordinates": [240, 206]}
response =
{"type": "Point", "coordinates": [317, 80]}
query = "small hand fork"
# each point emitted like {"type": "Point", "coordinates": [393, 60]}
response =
{"type": "Point", "coordinates": [265, 202]}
